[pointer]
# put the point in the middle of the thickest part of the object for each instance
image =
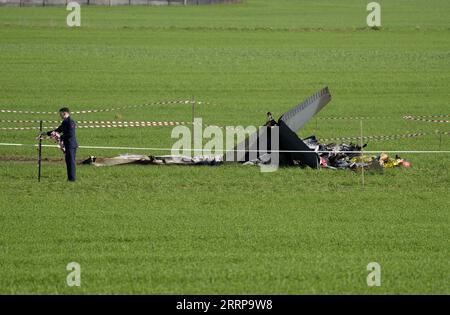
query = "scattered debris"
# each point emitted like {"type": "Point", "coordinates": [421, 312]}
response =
{"type": "Point", "coordinates": [387, 162]}
{"type": "Point", "coordinates": [338, 156]}
{"type": "Point", "coordinates": [293, 151]}
{"type": "Point", "coordinates": [350, 156]}
{"type": "Point", "coordinates": [154, 160]}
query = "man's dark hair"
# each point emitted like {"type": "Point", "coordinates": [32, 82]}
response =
{"type": "Point", "coordinates": [64, 110]}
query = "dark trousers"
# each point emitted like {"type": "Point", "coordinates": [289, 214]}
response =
{"type": "Point", "coordinates": [71, 163]}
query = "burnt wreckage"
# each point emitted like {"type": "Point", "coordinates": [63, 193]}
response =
{"type": "Point", "coordinates": [291, 149]}
{"type": "Point", "coordinates": [257, 149]}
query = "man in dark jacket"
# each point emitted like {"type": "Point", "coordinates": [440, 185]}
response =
{"type": "Point", "coordinates": [69, 139]}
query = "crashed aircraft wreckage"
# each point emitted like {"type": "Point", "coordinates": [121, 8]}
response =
{"type": "Point", "coordinates": [257, 149]}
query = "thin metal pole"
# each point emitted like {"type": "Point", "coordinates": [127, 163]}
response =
{"type": "Point", "coordinates": [193, 125]}
{"type": "Point", "coordinates": [193, 108]}
{"type": "Point", "coordinates": [362, 155]}
{"type": "Point", "coordinates": [40, 151]}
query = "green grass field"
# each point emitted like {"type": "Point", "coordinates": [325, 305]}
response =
{"type": "Point", "coordinates": [228, 229]}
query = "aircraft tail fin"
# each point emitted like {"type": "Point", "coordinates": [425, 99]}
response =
{"type": "Point", "coordinates": [298, 116]}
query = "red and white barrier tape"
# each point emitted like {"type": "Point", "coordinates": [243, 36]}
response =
{"type": "Point", "coordinates": [23, 128]}
{"type": "Point", "coordinates": [88, 111]}
{"type": "Point", "coordinates": [110, 124]}
{"type": "Point", "coordinates": [356, 118]}
{"type": "Point", "coordinates": [134, 124]}
{"type": "Point", "coordinates": [428, 118]}
{"type": "Point", "coordinates": [98, 122]}
{"type": "Point", "coordinates": [376, 138]}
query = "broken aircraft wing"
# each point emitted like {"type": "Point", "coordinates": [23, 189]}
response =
{"type": "Point", "coordinates": [298, 116]}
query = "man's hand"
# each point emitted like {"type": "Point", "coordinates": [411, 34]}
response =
{"type": "Point", "coordinates": [41, 135]}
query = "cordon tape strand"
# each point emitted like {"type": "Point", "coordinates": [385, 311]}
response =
{"type": "Point", "coordinates": [432, 119]}
{"type": "Point", "coordinates": [356, 117]}
{"type": "Point", "coordinates": [376, 138]}
{"type": "Point", "coordinates": [89, 111]}
{"type": "Point", "coordinates": [129, 124]}
{"type": "Point", "coordinates": [109, 124]}
{"type": "Point", "coordinates": [89, 124]}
